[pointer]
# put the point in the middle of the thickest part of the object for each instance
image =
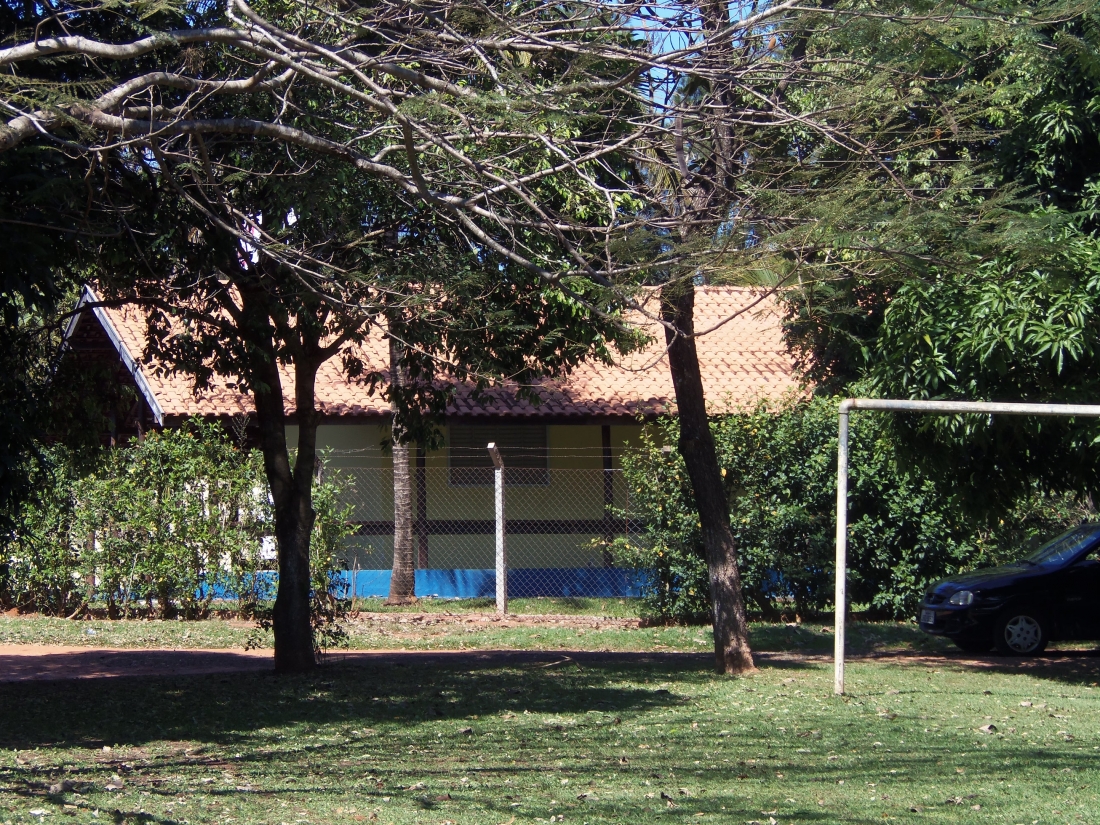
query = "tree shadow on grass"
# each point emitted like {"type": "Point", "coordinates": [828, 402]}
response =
{"type": "Point", "coordinates": [359, 690]}
{"type": "Point", "coordinates": [369, 724]}
{"type": "Point", "coordinates": [100, 663]}
{"type": "Point", "coordinates": [1068, 667]}
{"type": "Point", "coordinates": [280, 726]}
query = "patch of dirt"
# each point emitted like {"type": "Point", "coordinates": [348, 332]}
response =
{"type": "Point", "coordinates": [32, 663]}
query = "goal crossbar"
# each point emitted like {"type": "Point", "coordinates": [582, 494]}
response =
{"type": "Point", "coordinates": [897, 405]}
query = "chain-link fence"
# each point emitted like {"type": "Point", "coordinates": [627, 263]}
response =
{"type": "Point", "coordinates": [560, 523]}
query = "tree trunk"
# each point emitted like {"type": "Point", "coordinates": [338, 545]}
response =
{"type": "Point", "coordinates": [292, 495]}
{"type": "Point", "coordinates": [403, 576]}
{"type": "Point", "coordinates": [731, 632]}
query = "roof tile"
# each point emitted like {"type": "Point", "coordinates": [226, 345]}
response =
{"type": "Point", "coordinates": [741, 354]}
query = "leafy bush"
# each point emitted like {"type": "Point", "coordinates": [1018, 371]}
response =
{"type": "Point", "coordinates": [665, 539]}
{"type": "Point", "coordinates": [327, 609]}
{"type": "Point", "coordinates": [40, 567]}
{"type": "Point", "coordinates": [161, 527]}
{"type": "Point", "coordinates": [906, 529]}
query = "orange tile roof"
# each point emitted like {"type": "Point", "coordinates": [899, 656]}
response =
{"type": "Point", "coordinates": [741, 354]}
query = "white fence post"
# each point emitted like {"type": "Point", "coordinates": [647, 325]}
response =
{"type": "Point", "coordinates": [502, 548]}
{"type": "Point", "coordinates": [840, 599]}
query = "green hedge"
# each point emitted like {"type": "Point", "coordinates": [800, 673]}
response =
{"type": "Point", "coordinates": [159, 527]}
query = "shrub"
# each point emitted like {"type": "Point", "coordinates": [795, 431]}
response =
{"type": "Point", "coordinates": [162, 527]}
{"type": "Point", "coordinates": [665, 539]}
{"type": "Point", "coordinates": [332, 527]}
{"type": "Point", "coordinates": [41, 567]}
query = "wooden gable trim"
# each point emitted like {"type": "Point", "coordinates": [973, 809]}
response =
{"type": "Point", "coordinates": [88, 296]}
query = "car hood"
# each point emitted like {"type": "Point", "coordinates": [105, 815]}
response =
{"type": "Point", "coordinates": [987, 577]}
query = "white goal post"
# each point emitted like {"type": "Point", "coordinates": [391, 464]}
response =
{"type": "Point", "coordinates": [891, 405]}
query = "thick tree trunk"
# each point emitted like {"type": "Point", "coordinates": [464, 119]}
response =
{"type": "Point", "coordinates": [292, 494]}
{"type": "Point", "coordinates": [731, 632]}
{"type": "Point", "coordinates": [403, 576]}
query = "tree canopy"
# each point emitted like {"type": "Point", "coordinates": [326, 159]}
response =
{"type": "Point", "coordinates": [571, 155]}
{"type": "Point", "coordinates": [1011, 319]}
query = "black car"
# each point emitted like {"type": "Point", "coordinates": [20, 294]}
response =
{"type": "Point", "coordinates": [1052, 595]}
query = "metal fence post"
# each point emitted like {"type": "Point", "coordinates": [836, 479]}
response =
{"type": "Point", "coordinates": [502, 549]}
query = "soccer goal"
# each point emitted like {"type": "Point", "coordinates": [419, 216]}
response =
{"type": "Point", "coordinates": [891, 405]}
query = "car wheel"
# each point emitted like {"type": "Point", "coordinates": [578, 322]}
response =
{"type": "Point", "coordinates": [974, 645]}
{"type": "Point", "coordinates": [1021, 633]}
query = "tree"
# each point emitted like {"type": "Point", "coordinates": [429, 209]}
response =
{"type": "Point", "coordinates": [818, 198]}
{"type": "Point", "coordinates": [217, 307]}
{"type": "Point", "coordinates": [223, 305]}
{"type": "Point", "coordinates": [403, 576]}
{"type": "Point", "coordinates": [595, 147]}
{"type": "Point", "coordinates": [1014, 319]}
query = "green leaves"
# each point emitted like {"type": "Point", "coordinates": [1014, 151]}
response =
{"type": "Point", "coordinates": [1004, 330]}
{"type": "Point", "coordinates": [1006, 149]}
{"type": "Point", "coordinates": [1057, 122]}
{"type": "Point", "coordinates": [166, 523]}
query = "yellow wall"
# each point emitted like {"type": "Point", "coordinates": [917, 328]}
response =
{"type": "Point", "coordinates": [575, 491]}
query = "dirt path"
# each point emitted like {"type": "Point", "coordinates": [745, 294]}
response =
{"type": "Point", "coordinates": [27, 663]}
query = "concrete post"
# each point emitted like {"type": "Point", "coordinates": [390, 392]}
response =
{"type": "Point", "coordinates": [502, 548]}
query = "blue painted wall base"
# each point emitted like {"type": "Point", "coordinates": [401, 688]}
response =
{"type": "Point", "coordinates": [591, 582]}
{"type": "Point", "coordinates": [523, 583]}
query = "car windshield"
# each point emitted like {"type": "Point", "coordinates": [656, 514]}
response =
{"type": "Point", "coordinates": [1066, 546]}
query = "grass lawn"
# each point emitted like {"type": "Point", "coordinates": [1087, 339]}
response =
{"type": "Point", "coordinates": [464, 630]}
{"type": "Point", "coordinates": [635, 738]}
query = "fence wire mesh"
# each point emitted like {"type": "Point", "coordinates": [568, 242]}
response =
{"type": "Point", "coordinates": [560, 521]}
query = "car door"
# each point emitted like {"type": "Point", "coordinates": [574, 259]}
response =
{"type": "Point", "coordinates": [1080, 587]}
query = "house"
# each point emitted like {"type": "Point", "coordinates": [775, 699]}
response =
{"type": "Point", "coordinates": [563, 479]}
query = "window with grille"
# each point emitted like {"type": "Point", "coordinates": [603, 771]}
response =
{"type": "Point", "coordinates": [522, 447]}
